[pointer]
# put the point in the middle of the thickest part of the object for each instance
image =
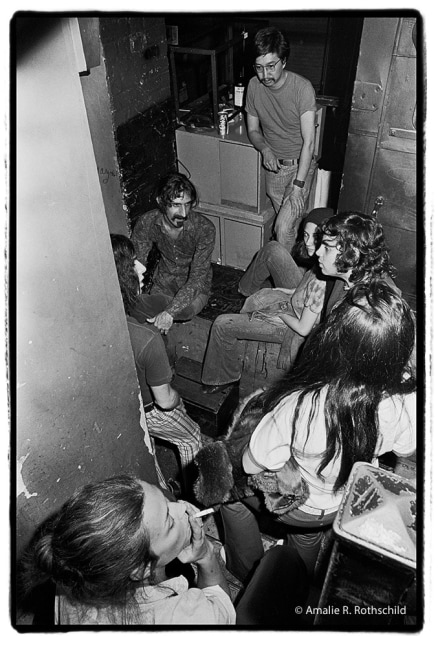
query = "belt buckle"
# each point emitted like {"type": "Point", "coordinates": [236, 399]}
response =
{"type": "Point", "coordinates": [285, 162]}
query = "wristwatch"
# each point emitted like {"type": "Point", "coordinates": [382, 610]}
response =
{"type": "Point", "coordinates": [299, 183]}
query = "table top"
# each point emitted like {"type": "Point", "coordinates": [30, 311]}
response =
{"type": "Point", "coordinates": [236, 131]}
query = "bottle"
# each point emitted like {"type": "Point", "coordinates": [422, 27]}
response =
{"type": "Point", "coordinates": [239, 91]}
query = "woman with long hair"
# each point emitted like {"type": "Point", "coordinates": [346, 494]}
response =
{"type": "Point", "coordinates": [166, 416]}
{"type": "Point", "coordinates": [349, 398]}
{"type": "Point", "coordinates": [130, 271]}
{"type": "Point", "coordinates": [107, 550]}
{"type": "Point", "coordinates": [113, 551]}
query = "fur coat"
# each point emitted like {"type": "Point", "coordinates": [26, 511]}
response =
{"type": "Point", "coordinates": [221, 476]}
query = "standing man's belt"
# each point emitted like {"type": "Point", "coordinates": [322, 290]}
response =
{"type": "Point", "coordinates": [289, 162]}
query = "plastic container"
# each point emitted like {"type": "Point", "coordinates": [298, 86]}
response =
{"type": "Point", "coordinates": [379, 511]}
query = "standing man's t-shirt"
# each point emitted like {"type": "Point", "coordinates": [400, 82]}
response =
{"type": "Point", "coordinates": [279, 112]}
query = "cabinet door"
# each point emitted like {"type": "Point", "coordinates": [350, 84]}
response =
{"type": "Point", "coordinates": [198, 156]}
{"type": "Point", "coordinates": [241, 242]}
{"type": "Point", "coordinates": [240, 176]}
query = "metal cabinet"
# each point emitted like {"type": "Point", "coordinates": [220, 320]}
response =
{"type": "Point", "coordinates": [380, 158]}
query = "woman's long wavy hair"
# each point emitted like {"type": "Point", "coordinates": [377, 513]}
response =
{"type": "Point", "coordinates": [362, 245]}
{"type": "Point", "coordinates": [360, 354]}
{"type": "Point", "coordinates": [124, 257]}
{"type": "Point", "coordinates": [91, 548]}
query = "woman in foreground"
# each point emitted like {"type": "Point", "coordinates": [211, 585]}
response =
{"type": "Point", "coordinates": [107, 551]}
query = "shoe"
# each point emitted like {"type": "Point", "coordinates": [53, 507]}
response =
{"type": "Point", "coordinates": [175, 487]}
{"type": "Point", "coordinates": [215, 388]}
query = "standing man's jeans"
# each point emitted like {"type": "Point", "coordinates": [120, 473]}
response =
{"type": "Point", "coordinates": [286, 225]}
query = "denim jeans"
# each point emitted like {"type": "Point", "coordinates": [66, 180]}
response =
{"type": "Point", "coordinates": [277, 591]}
{"type": "Point", "coordinates": [243, 539]}
{"type": "Point", "coordinates": [226, 346]}
{"type": "Point", "coordinates": [273, 260]}
{"type": "Point", "coordinates": [276, 185]}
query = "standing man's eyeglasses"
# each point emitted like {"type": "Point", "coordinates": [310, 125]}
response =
{"type": "Point", "coordinates": [270, 67]}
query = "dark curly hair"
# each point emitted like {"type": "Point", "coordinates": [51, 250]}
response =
{"type": "Point", "coordinates": [124, 256]}
{"type": "Point", "coordinates": [171, 187]}
{"type": "Point", "coordinates": [362, 245]}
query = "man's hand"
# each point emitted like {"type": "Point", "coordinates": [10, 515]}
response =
{"type": "Point", "coordinates": [270, 162]}
{"type": "Point", "coordinates": [296, 199]}
{"type": "Point", "coordinates": [162, 321]}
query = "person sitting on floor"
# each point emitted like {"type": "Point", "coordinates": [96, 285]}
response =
{"type": "Point", "coordinates": [350, 397]}
{"type": "Point", "coordinates": [284, 314]}
{"type": "Point", "coordinates": [107, 550]}
{"type": "Point", "coordinates": [185, 241]}
{"type": "Point", "coordinates": [350, 248]}
{"type": "Point", "coordinates": [165, 413]}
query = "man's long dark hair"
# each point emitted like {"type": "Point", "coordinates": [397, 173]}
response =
{"type": "Point", "coordinates": [124, 256]}
{"type": "Point", "coordinates": [172, 186]}
{"type": "Point", "coordinates": [359, 354]}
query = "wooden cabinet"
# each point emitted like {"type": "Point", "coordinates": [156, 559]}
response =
{"type": "Point", "coordinates": [225, 170]}
{"type": "Point", "coordinates": [242, 177]}
{"type": "Point", "coordinates": [198, 157]}
{"type": "Point", "coordinates": [228, 175]}
{"type": "Point", "coordinates": [239, 234]}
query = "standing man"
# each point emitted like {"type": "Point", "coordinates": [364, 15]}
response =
{"type": "Point", "coordinates": [185, 241]}
{"type": "Point", "coordinates": [281, 109]}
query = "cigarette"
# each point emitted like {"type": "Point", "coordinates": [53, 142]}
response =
{"type": "Point", "coordinates": [203, 513]}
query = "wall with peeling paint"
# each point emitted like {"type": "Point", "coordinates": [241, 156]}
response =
{"type": "Point", "coordinates": [77, 397]}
